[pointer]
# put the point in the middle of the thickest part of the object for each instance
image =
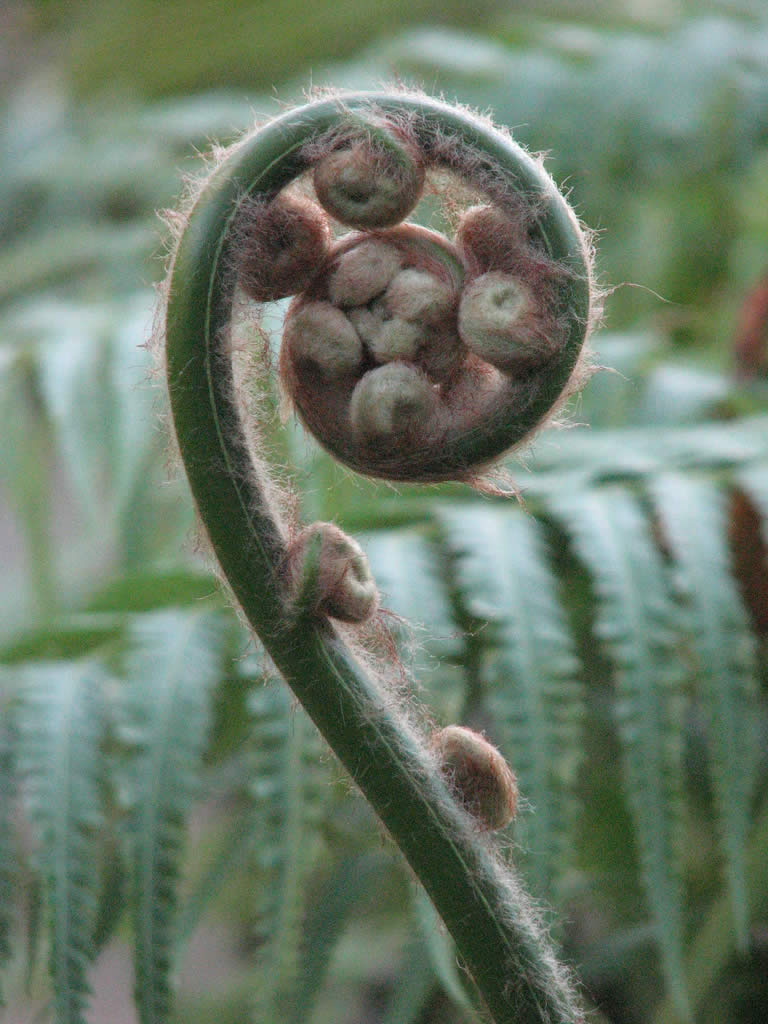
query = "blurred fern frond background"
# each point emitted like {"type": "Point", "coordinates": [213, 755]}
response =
{"type": "Point", "coordinates": [170, 823]}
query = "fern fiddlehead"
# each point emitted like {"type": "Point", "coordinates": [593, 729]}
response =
{"type": "Point", "coordinates": [410, 357]}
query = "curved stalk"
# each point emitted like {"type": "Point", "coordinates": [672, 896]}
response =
{"type": "Point", "coordinates": [480, 900]}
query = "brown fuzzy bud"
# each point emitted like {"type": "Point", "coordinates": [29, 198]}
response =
{"type": "Point", "coordinates": [319, 334]}
{"type": "Point", "coordinates": [369, 186]}
{"type": "Point", "coordinates": [368, 320]}
{"type": "Point", "coordinates": [500, 321]}
{"type": "Point", "coordinates": [387, 337]}
{"type": "Point", "coordinates": [363, 272]}
{"type": "Point", "coordinates": [488, 240]}
{"type": "Point", "coordinates": [392, 402]}
{"type": "Point", "coordinates": [442, 355]}
{"type": "Point", "coordinates": [281, 245]}
{"type": "Point", "coordinates": [478, 774]}
{"type": "Point", "coordinates": [397, 339]}
{"type": "Point", "coordinates": [419, 296]}
{"type": "Point", "coordinates": [331, 575]}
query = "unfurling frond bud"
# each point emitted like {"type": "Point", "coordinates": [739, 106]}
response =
{"type": "Point", "coordinates": [477, 773]}
{"type": "Point", "coordinates": [318, 334]}
{"type": "Point", "coordinates": [373, 181]}
{"type": "Point", "coordinates": [500, 321]}
{"type": "Point", "coordinates": [363, 272]}
{"type": "Point", "coordinates": [420, 297]}
{"type": "Point", "coordinates": [391, 402]}
{"type": "Point", "coordinates": [412, 356]}
{"type": "Point", "coordinates": [395, 339]}
{"type": "Point", "coordinates": [331, 576]}
{"type": "Point", "coordinates": [488, 239]}
{"type": "Point", "coordinates": [281, 244]}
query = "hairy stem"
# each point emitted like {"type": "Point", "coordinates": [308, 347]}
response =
{"type": "Point", "coordinates": [480, 900]}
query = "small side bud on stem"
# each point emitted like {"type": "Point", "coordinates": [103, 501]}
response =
{"type": "Point", "coordinates": [479, 776]}
{"type": "Point", "coordinates": [330, 575]}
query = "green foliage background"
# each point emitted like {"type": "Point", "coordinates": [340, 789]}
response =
{"type": "Point", "coordinates": [610, 637]}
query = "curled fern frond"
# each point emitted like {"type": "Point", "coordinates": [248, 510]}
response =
{"type": "Point", "coordinates": [62, 765]}
{"type": "Point", "coordinates": [420, 417]}
{"type": "Point", "coordinates": [414, 357]}
{"type": "Point", "coordinates": [408, 355]}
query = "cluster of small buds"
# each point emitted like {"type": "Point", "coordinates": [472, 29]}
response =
{"type": "Point", "coordinates": [477, 773]}
{"type": "Point", "coordinates": [399, 342]}
{"type": "Point", "coordinates": [374, 338]}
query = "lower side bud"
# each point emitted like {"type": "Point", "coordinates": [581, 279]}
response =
{"type": "Point", "coordinates": [478, 775]}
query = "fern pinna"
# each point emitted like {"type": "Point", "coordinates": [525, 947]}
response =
{"type": "Point", "coordinates": [172, 663]}
{"type": "Point", "coordinates": [61, 723]}
{"type": "Point", "coordinates": [625, 540]}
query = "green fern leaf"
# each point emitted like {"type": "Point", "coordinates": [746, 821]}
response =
{"type": "Point", "coordinates": [61, 726]}
{"type": "Point", "coordinates": [637, 622]}
{"type": "Point", "coordinates": [7, 852]}
{"type": "Point", "coordinates": [114, 891]}
{"type": "Point", "coordinates": [500, 568]}
{"type": "Point", "coordinates": [174, 661]}
{"type": "Point", "coordinates": [93, 386]}
{"type": "Point", "coordinates": [754, 480]}
{"type": "Point", "coordinates": [693, 519]}
{"type": "Point", "coordinates": [232, 856]}
{"type": "Point", "coordinates": [73, 370]}
{"type": "Point", "coordinates": [404, 567]}
{"type": "Point", "coordinates": [25, 468]}
{"type": "Point", "coordinates": [579, 459]}
{"type": "Point", "coordinates": [354, 878]}
{"type": "Point", "coordinates": [416, 983]}
{"type": "Point", "coordinates": [287, 794]}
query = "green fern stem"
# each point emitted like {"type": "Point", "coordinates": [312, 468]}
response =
{"type": "Point", "coordinates": [488, 915]}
